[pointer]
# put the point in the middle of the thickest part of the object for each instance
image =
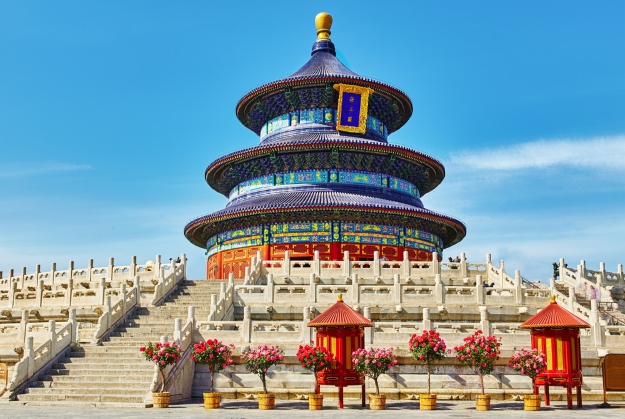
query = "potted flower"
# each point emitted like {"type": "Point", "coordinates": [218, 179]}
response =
{"type": "Point", "coordinates": [479, 352]}
{"type": "Point", "coordinates": [217, 357]}
{"type": "Point", "coordinates": [259, 361]}
{"type": "Point", "coordinates": [374, 363]}
{"type": "Point", "coordinates": [530, 363]}
{"type": "Point", "coordinates": [161, 354]}
{"type": "Point", "coordinates": [427, 347]}
{"type": "Point", "coordinates": [315, 359]}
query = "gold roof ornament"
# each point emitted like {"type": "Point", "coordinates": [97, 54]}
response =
{"type": "Point", "coordinates": [323, 22]}
{"type": "Point", "coordinates": [339, 297]}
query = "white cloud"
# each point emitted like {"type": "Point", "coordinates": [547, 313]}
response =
{"type": "Point", "coordinates": [33, 168]}
{"type": "Point", "coordinates": [594, 153]}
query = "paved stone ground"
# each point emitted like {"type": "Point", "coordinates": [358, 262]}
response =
{"type": "Point", "coordinates": [286, 409]}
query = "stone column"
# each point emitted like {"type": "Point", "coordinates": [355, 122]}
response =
{"type": "Point", "coordinates": [406, 265]}
{"type": "Point", "coordinates": [464, 272]}
{"type": "Point", "coordinates": [601, 279]}
{"type": "Point", "coordinates": [29, 354]}
{"type": "Point", "coordinates": [39, 296]}
{"type": "Point", "coordinates": [70, 274]}
{"type": "Point", "coordinates": [102, 290]}
{"type": "Point", "coordinates": [22, 331]}
{"type": "Point", "coordinates": [133, 266]}
{"type": "Point", "coordinates": [347, 266]}
{"type": "Point", "coordinates": [74, 322]}
{"type": "Point", "coordinates": [436, 265]}
{"type": "Point", "coordinates": [286, 267]}
{"type": "Point", "coordinates": [519, 294]}
{"type": "Point", "coordinates": [52, 274]}
{"type": "Point", "coordinates": [137, 286]}
{"type": "Point", "coordinates": [22, 277]}
{"type": "Point", "coordinates": [212, 315]}
{"type": "Point", "coordinates": [572, 299]}
{"type": "Point", "coordinates": [122, 292]}
{"type": "Point", "coordinates": [178, 330]}
{"type": "Point", "coordinates": [307, 331]}
{"type": "Point", "coordinates": [89, 270]}
{"type": "Point", "coordinates": [313, 288]}
{"type": "Point", "coordinates": [377, 268]}
{"type": "Point", "coordinates": [69, 292]}
{"type": "Point", "coordinates": [317, 263]}
{"type": "Point", "coordinates": [355, 289]}
{"type": "Point", "coordinates": [595, 325]}
{"type": "Point", "coordinates": [52, 335]}
{"type": "Point", "coordinates": [109, 270]}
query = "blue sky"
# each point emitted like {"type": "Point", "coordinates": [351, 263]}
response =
{"type": "Point", "coordinates": [111, 111]}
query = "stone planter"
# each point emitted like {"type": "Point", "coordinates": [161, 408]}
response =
{"type": "Point", "coordinates": [212, 400]}
{"type": "Point", "coordinates": [427, 401]}
{"type": "Point", "coordinates": [315, 401]}
{"type": "Point", "coordinates": [160, 400]}
{"type": "Point", "coordinates": [377, 401]}
{"type": "Point", "coordinates": [266, 401]}
{"type": "Point", "coordinates": [482, 402]}
{"type": "Point", "coordinates": [531, 402]}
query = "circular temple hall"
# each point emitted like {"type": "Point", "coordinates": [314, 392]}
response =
{"type": "Point", "coordinates": [324, 177]}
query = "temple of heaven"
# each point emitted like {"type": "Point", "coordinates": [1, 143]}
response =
{"type": "Point", "coordinates": [324, 177]}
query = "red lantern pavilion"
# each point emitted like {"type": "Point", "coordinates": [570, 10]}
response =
{"type": "Point", "coordinates": [340, 329]}
{"type": "Point", "coordinates": [555, 332]}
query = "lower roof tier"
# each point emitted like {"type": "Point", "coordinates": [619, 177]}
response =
{"type": "Point", "coordinates": [323, 205]}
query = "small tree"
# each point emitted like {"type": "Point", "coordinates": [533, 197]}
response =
{"type": "Point", "coordinates": [261, 359]}
{"type": "Point", "coordinates": [530, 363]}
{"type": "Point", "coordinates": [315, 359]}
{"type": "Point", "coordinates": [161, 354]}
{"type": "Point", "coordinates": [427, 347]}
{"type": "Point", "coordinates": [479, 353]}
{"type": "Point", "coordinates": [213, 354]}
{"type": "Point", "coordinates": [374, 363]}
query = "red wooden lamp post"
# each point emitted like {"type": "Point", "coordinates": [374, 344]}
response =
{"type": "Point", "coordinates": [555, 332]}
{"type": "Point", "coordinates": [340, 329]}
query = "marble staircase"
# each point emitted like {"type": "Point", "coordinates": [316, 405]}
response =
{"type": "Point", "coordinates": [115, 373]}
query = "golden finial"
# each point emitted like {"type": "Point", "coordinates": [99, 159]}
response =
{"type": "Point", "coordinates": [553, 298]}
{"type": "Point", "coordinates": [323, 22]}
{"type": "Point", "coordinates": [339, 298]}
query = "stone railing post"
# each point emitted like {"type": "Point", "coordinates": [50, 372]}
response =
{"type": "Point", "coordinates": [69, 292]}
{"type": "Point", "coordinates": [479, 290]}
{"type": "Point", "coordinates": [122, 292]}
{"type": "Point", "coordinates": [397, 289]}
{"type": "Point", "coordinates": [222, 291]}
{"type": "Point", "coordinates": [317, 264]}
{"type": "Point", "coordinates": [519, 294]}
{"type": "Point", "coordinates": [74, 322]}
{"type": "Point", "coordinates": [12, 291]}
{"type": "Point", "coordinates": [286, 267]}
{"type": "Point", "coordinates": [157, 265]}
{"type": "Point", "coordinates": [307, 335]}
{"type": "Point", "coordinates": [502, 273]}
{"type": "Point", "coordinates": [109, 270]}
{"type": "Point", "coordinates": [102, 291]}
{"type": "Point", "coordinates": [29, 354]}
{"type": "Point", "coordinates": [52, 335]}
{"type": "Point", "coordinates": [572, 299]}
{"type": "Point", "coordinates": [137, 285]}
{"type": "Point", "coordinates": [439, 289]}
{"type": "Point", "coordinates": [183, 260]}
{"type": "Point", "coordinates": [22, 331]}
{"type": "Point", "coordinates": [595, 325]}
{"type": "Point", "coordinates": [37, 273]}
{"type": "Point", "coordinates": [484, 322]}
{"type": "Point", "coordinates": [247, 276]}
{"type": "Point", "coordinates": [39, 294]}
{"type": "Point", "coordinates": [178, 330]}
{"type": "Point", "coordinates": [601, 278]}
{"type": "Point", "coordinates": [313, 288]}
{"type": "Point", "coordinates": [619, 272]}
{"type": "Point", "coordinates": [427, 323]}
{"type": "Point", "coordinates": [561, 267]}
{"type": "Point", "coordinates": [212, 313]}
{"type": "Point", "coordinates": [89, 270]}
{"type": "Point", "coordinates": [22, 277]}
{"type": "Point", "coordinates": [464, 271]}
{"type": "Point", "coordinates": [580, 275]}
{"type": "Point", "coordinates": [406, 265]}
{"type": "Point", "coordinates": [355, 289]}
{"type": "Point", "coordinates": [436, 265]}
{"type": "Point", "coordinates": [70, 275]}
{"type": "Point", "coordinates": [133, 266]}
{"type": "Point", "coordinates": [247, 324]}
{"type": "Point", "coordinates": [53, 273]}
{"type": "Point", "coordinates": [191, 319]}
{"type": "Point", "coordinates": [347, 266]}
{"type": "Point", "coordinates": [369, 331]}
{"type": "Point", "coordinates": [269, 297]}
{"type": "Point", "coordinates": [107, 310]}
{"type": "Point", "coordinates": [552, 285]}
{"type": "Point", "coordinates": [377, 268]}
{"type": "Point", "coordinates": [489, 263]}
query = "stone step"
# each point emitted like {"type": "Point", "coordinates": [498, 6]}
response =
{"type": "Point", "coordinates": [90, 398]}
{"type": "Point", "coordinates": [99, 350]}
{"type": "Point", "coordinates": [135, 391]}
{"type": "Point", "coordinates": [92, 385]}
{"type": "Point", "coordinates": [101, 360]}
{"type": "Point", "coordinates": [100, 372]}
{"type": "Point", "coordinates": [118, 379]}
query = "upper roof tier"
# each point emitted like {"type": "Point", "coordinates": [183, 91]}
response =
{"type": "Point", "coordinates": [554, 316]}
{"type": "Point", "coordinates": [312, 87]}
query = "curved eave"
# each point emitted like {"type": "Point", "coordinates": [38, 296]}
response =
{"type": "Point", "coordinates": [214, 171]}
{"type": "Point", "coordinates": [195, 230]}
{"type": "Point", "coordinates": [247, 102]}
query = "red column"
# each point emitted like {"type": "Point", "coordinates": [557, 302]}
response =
{"type": "Point", "coordinates": [335, 251]}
